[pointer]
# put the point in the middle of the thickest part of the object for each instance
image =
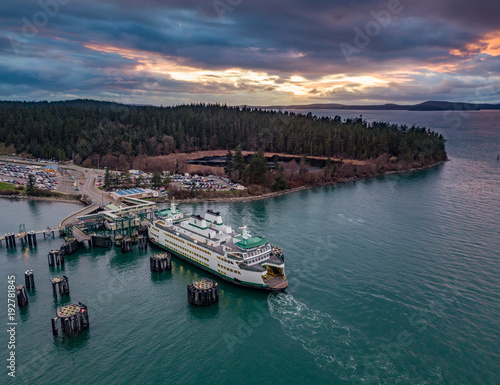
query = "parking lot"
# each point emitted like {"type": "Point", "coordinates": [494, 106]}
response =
{"type": "Point", "coordinates": [207, 183]}
{"type": "Point", "coordinates": [71, 179]}
{"type": "Point", "coordinates": [18, 174]}
{"type": "Point", "coordinates": [56, 179]}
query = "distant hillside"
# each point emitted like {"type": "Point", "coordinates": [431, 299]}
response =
{"type": "Point", "coordinates": [79, 103]}
{"type": "Point", "coordinates": [425, 106]}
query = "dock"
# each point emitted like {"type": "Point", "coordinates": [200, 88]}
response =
{"type": "Point", "coordinates": [22, 234]}
{"type": "Point", "coordinates": [72, 218]}
{"type": "Point", "coordinates": [122, 225]}
{"type": "Point", "coordinates": [79, 235]}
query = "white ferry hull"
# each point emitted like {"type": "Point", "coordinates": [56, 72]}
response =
{"type": "Point", "coordinates": [207, 260]}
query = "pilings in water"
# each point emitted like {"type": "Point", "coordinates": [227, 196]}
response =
{"type": "Point", "coordinates": [22, 296]}
{"type": "Point", "coordinates": [143, 242]}
{"type": "Point", "coordinates": [101, 240]}
{"type": "Point", "coordinates": [160, 262]}
{"type": "Point", "coordinates": [27, 238]}
{"type": "Point", "coordinates": [47, 232]}
{"type": "Point", "coordinates": [126, 245]}
{"type": "Point", "coordinates": [74, 319]}
{"type": "Point", "coordinates": [69, 247]}
{"type": "Point", "coordinates": [10, 240]}
{"type": "Point", "coordinates": [55, 257]}
{"type": "Point", "coordinates": [31, 238]}
{"type": "Point", "coordinates": [60, 284]}
{"type": "Point", "coordinates": [204, 292]}
{"type": "Point", "coordinates": [29, 279]}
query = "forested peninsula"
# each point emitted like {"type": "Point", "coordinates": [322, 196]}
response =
{"type": "Point", "coordinates": [120, 137]}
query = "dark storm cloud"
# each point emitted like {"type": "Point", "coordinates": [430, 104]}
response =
{"type": "Point", "coordinates": [280, 37]}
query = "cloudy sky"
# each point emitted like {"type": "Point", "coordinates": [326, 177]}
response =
{"type": "Point", "coordinates": [256, 52]}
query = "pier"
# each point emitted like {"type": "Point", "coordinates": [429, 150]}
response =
{"type": "Point", "coordinates": [123, 226]}
{"type": "Point", "coordinates": [29, 237]}
{"type": "Point", "coordinates": [79, 235]}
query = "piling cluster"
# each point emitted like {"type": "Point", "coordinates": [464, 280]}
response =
{"type": "Point", "coordinates": [31, 238]}
{"type": "Point", "coordinates": [55, 257]}
{"type": "Point", "coordinates": [29, 279]}
{"type": "Point", "coordinates": [101, 240]}
{"type": "Point", "coordinates": [60, 285]}
{"type": "Point", "coordinates": [126, 245]}
{"type": "Point", "coordinates": [74, 319]}
{"type": "Point", "coordinates": [160, 262]}
{"type": "Point", "coordinates": [10, 240]}
{"type": "Point", "coordinates": [142, 242]}
{"type": "Point", "coordinates": [69, 247]}
{"type": "Point", "coordinates": [204, 292]}
{"type": "Point", "coordinates": [22, 296]}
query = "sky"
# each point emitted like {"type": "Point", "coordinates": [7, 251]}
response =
{"type": "Point", "coordinates": [250, 52]}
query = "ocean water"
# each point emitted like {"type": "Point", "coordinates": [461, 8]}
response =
{"type": "Point", "coordinates": [393, 280]}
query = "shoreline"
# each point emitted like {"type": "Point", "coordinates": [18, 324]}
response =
{"type": "Point", "coordinates": [289, 191]}
{"type": "Point", "coordinates": [47, 199]}
{"type": "Point", "coordinates": [240, 199]}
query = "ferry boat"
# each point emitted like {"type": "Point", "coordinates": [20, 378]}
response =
{"type": "Point", "coordinates": [208, 243]}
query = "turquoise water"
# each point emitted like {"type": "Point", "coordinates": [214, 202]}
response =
{"type": "Point", "coordinates": [393, 280]}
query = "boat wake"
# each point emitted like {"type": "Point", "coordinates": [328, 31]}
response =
{"type": "Point", "coordinates": [327, 339]}
{"type": "Point", "coordinates": [354, 221]}
{"type": "Point", "coordinates": [341, 350]}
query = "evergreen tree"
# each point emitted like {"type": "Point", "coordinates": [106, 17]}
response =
{"type": "Point", "coordinates": [31, 189]}
{"type": "Point", "coordinates": [193, 191]}
{"type": "Point", "coordinates": [330, 169]}
{"type": "Point", "coordinates": [257, 168]}
{"type": "Point", "coordinates": [239, 165]}
{"type": "Point", "coordinates": [303, 167]}
{"type": "Point", "coordinates": [228, 168]}
{"type": "Point", "coordinates": [107, 179]}
{"type": "Point", "coordinates": [280, 181]}
{"type": "Point", "coordinates": [156, 180]}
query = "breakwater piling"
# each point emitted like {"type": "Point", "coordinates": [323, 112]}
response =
{"type": "Point", "coordinates": [60, 285]}
{"type": "Point", "coordinates": [55, 258]}
{"type": "Point", "coordinates": [160, 262]}
{"type": "Point", "coordinates": [31, 238]}
{"type": "Point", "coordinates": [10, 240]}
{"type": "Point", "coordinates": [22, 296]}
{"type": "Point", "coordinates": [101, 240]}
{"type": "Point", "coordinates": [142, 241]}
{"type": "Point", "coordinates": [74, 319]}
{"type": "Point", "coordinates": [204, 292]}
{"type": "Point", "coordinates": [29, 279]}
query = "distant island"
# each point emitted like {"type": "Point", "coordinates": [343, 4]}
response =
{"type": "Point", "coordinates": [266, 151]}
{"type": "Point", "coordinates": [425, 106]}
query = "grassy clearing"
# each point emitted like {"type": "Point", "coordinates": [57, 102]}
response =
{"type": "Point", "coordinates": [7, 186]}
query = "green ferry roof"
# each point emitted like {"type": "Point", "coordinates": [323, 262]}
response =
{"type": "Point", "coordinates": [164, 213]}
{"type": "Point", "coordinates": [112, 207]}
{"type": "Point", "coordinates": [251, 242]}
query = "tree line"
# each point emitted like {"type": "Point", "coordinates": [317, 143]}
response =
{"type": "Point", "coordinates": [81, 129]}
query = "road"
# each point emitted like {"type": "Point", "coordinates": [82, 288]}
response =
{"type": "Point", "coordinates": [89, 187]}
